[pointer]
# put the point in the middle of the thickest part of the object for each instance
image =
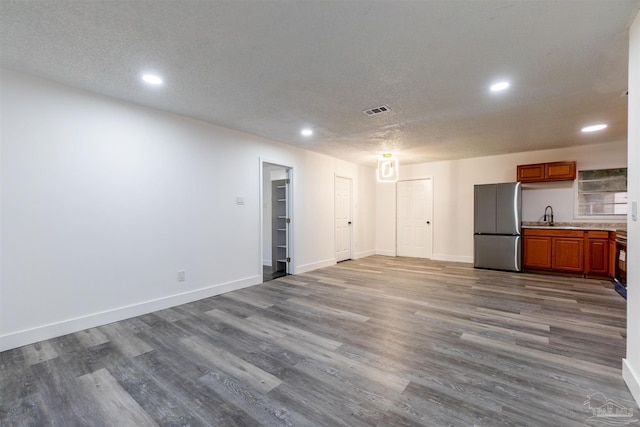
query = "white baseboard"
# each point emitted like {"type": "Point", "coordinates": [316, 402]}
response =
{"type": "Point", "coordinates": [435, 257]}
{"type": "Point", "coordinates": [314, 266]}
{"type": "Point", "coordinates": [52, 330]}
{"type": "Point", "coordinates": [364, 254]}
{"type": "Point", "coordinates": [452, 258]}
{"type": "Point", "coordinates": [385, 252]}
{"type": "Point", "coordinates": [266, 262]}
{"type": "Point", "coordinates": [632, 379]}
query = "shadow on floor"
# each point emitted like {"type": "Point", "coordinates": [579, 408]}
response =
{"type": "Point", "coordinates": [267, 274]}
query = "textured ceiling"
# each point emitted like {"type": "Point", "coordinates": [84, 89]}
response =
{"type": "Point", "coordinates": [271, 67]}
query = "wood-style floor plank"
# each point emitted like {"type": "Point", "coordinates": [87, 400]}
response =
{"type": "Point", "coordinates": [114, 404]}
{"type": "Point", "coordinates": [378, 341]}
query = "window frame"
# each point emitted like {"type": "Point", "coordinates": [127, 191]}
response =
{"type": "Point", "coordinates": [576, 204]}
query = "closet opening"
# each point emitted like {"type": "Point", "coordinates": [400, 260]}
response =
{"type": "Point", "coordinates": [277, 221]}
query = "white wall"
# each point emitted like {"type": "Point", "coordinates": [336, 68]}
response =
{"type": "Point", "coordinates": [365, 224]}
{"type": "Point", "coordinates": [104, 201]}
{"type": "Point", "coordinates": [385, 218]}
{"type": "Point", "coordinates": [631, 365]}
{"type": "Point", "coordinates": [453, 183]}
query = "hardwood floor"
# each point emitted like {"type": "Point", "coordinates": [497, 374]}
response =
{"type": "Point", "coordinates": [377, 341]}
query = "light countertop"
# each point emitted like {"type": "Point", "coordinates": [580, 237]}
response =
{"type": "Point", "coordinates": [576, 226]}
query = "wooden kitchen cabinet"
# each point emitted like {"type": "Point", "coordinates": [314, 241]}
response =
{"type": "Point", "coordinates": [568, 254]}
{"type": "Point", "coordinates": [561, 250]}
{"type": "Point", "coordinates": [541, 172]}
{"type": "Point", "coordinates": [531, 173]}
{"type": "Point", "coordinates": [537, 252]}
{"type": "Point", "coordinates": [612, 254]}
{"type": "Point", "coordinates": [568, 251]}
{"type": "Point", "coordinates": [598, 256]}
{"type": "Point", "coordinates": [560, 171]}
{"type": "Point", "coordinates": [597, 253]}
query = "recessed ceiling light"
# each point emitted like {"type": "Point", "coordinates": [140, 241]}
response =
{"type": "Point", "coordinates": [594, 128]}
{"type": "Point", "coordinates": [152, 79]}
{"type": "Point", "coordinates": [306, 132]}
{"type": "Point", "coordinates": [497, 87]}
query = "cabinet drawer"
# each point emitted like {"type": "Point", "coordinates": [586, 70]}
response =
{"type": "Point", "coordinates": [552, 233]}
{"type": "Point", "coordinates": [597, 234]}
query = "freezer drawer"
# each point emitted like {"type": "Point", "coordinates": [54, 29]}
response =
{"type": "Point", "coordinates": [497, 252]}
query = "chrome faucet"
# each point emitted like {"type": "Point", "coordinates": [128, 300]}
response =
{"type": "Point", "coordinates": [550, 217]}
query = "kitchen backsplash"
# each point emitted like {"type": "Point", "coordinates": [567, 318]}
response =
{"type": "Point", "coordinates": [557, 195]}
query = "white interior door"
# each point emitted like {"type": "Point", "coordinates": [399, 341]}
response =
{"type": "Point", "coordinates": [414, 207]}
{"type": "Point", "coordinates": [343, 218]}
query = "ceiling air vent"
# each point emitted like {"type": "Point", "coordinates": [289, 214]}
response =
{"type": "Point", "coordinates": [377, 110]}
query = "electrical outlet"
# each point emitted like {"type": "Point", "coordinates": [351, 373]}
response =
{"type": "Point", "coordinates": [634, 211]}
{"type": "Point", "coordinates": [181, 276]}
{"type": "Point", "coordinates": [240, 200]}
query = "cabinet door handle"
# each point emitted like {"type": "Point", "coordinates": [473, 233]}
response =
{"type": "Point", "coordinates": [428, 222]}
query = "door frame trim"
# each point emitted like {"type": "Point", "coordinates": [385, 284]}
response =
{"type": "Point", "coordinates": [351, 209]}
{"type": "Point", "coordinates": [291, 267]}
{"type": "Point", "coordinates": [430, 243]}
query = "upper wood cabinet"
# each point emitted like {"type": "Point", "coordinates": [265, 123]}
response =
{"type": "Point", "coordinates": [541, 172]}
{"type": "Point", "coordinates": [560, 171]}
{"type": "Point", "coordinates": [531, 173]}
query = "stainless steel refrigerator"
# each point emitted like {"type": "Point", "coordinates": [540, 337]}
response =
{"type": "Point", "coordinates": [497, 226]}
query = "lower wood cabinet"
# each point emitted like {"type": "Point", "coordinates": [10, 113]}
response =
{"type": "Point", "coordinates": [568, 254]}
{"type": "Point", "coordinates": [598, 252]}
{"type": "Point", "coordinates": [536, 252]}
{"type": "Point", "coordinates": [569, 251]}
{"type": "Point", "coordinates": [612, 255]}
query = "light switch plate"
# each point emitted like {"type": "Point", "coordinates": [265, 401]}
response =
{"type": "Point", "coordinates": [239, 200]}
{"type": "Point", "coordinates": [634, 211]}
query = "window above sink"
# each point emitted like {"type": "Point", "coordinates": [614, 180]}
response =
{"type": "Point", "coordinates": [601, 193]}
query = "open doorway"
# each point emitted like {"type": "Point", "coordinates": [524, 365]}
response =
{"type": "Point", "coordinates": [276, 220]}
